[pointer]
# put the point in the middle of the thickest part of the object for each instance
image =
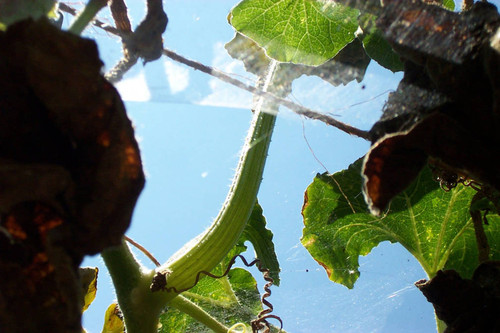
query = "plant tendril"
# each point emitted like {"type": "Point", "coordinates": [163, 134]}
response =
{"type": "Point", "coordinates": [160, 283]}
{"type": "Point", "coordinates": [261, 321]}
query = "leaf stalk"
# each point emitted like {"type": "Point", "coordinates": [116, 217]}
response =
{"type": "Point", "coordinates": [131, 280]}
{"type": "Point", "coordinates": [183, 304]}
{"type": "Point", "coordinates": [208, 249]}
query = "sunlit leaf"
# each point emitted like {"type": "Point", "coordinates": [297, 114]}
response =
{"type": "Point", "coordinates": [300, 31]}
{"type": "Point", "coordinates": [449, 4]}
{"type": "Point", "coordinates": [88, 280]}
{"type": "Point", "coordinates": [377, 47]}
{"type": "Point", "coordinates": [113, 320]}
{"type": "Point", "coordinates": [433, 225]}
{"type": "Point", "coordinates": [231, 299]}
{"type": "Point", "coordinates": [348, 65]}
{"type": "Point", "coordinates": [219, 298]}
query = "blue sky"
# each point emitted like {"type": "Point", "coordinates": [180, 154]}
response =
{"type": "Point", "coordinates": [191, 128]}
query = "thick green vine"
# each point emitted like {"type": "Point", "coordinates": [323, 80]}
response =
{"type": "Point", "coordinates": [139, 305]}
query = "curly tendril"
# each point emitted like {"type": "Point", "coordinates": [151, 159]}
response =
{"type": "Point", "coordinates": [260, 324]}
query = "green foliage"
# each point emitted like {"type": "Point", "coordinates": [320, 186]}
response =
{"type": "Point", "coordinates": [88, 280]}
{"type": "Point", "coordinates": [449, 4]}
{"type": "Point", "coordinates": [298, 31]}
{"type": "Point", "coordinates": [308, 37]}
{"type": "Point", "coordinates": [231, 299]}
{"type": "Point", "coordinates": [113, 320]}
{"type": "Point", "coordinates": [310, 32]}
{"type": "Point", "coordinates": [262, 241]}
{"type": "Point", "coordinates": [433, 225]}
{"type": "Point", "coordinates": [379, 50]}
{"type": "Point", "coordinates": [348, 65]}
{"type": "Point", "coordinates": [376, 46]}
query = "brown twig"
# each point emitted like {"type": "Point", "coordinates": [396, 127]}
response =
{"type": "Point", "coordinates": [104, 26]}
{"type": "Point", "coordinates": [119, 12]}
{"type": "Point", "coordinates": [298, 109]}
{"type": "Point", "coordinates": [292, 106]}
{"type": "Point", "coordinates": [115, 74]}
{"type": "Point", "coordinates": [120, 16]}
{"type": "Point", "coordinates": [146, 42]}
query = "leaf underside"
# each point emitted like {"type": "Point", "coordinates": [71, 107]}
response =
{"type": "Point", "coordinates": [298, 31]}
{"type": "Point", "coordinates": [113, 320]}
{"type": "Point", "coordinates": [88, 281]}
{"type": "Point", "coordinates": [433, 225]}
{"type": "Point", "coordinates": [262, 241]}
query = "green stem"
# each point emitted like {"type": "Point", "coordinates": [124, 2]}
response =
{"type": "Point", "coordinates": [208, 249]}
{"type": "Point", "coordinates": [209, 300]}
{"type": "Point", "coordinates": [226, 286]}
{"type": "Point", "coordinates": [87, 15]}
{"type": "Point", "coordinates": [139, 306]}
{"type": "Point", "coordinates": [183, 304]}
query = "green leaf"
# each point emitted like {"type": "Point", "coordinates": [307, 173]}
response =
{"type": "Point", "coordinates": [348, 65]}
{"type": "Point", "coordinates": [17, 10]}
{"type": "Point", "coordinates": [449, 4]}
{"type": "Point", "coordinates": [300, 31]}
{"type": "Point", "coordinates": [231, 299]}
{"type": "Point", "coordinates": [379, 50]}
{"type": "Point", "coordinates": [219, 297]}
{"type": "Point", "coordinates": [88, 280]}
{"type": "Point", "coordinates": [376, 46]}
{"type": "Point", "coordinates": [262, 241]}
{"type": "Point", "coordinates": [433, 225]}
{"type": "Point", "coordinates": [113, 320]}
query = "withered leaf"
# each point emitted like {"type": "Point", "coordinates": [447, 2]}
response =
{"type": "Point", "coordinates": [446, 107]}
{"type": "Point", "coordinates": [70, 173]}
{"type": "Point", "coordinates": [466, 305]}
{"type": "Point", "coordinates": [146, 41]}
{"type": "Point", "coordinates": [396, 159]}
